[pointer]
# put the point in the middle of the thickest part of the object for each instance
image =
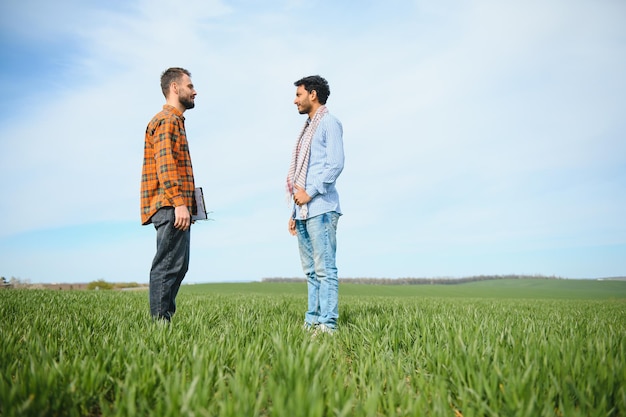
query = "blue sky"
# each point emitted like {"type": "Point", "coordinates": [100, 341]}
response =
{"type": "Point", "coordinates": [481, 137]}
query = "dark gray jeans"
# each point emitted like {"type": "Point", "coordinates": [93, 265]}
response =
{"type": "Point", "coordinates": [170, 264]}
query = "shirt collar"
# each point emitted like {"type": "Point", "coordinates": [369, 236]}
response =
{"type": "Point", "coordinates": [173, 110]}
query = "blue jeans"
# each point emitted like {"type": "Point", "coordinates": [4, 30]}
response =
{"type": "Point", "coordinates": [317, 241]}
{"type": "Point", "coordinates": [170, 264]}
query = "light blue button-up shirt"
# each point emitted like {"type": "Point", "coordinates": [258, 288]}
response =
{"type": "Point", "coordinates": [325, 165]}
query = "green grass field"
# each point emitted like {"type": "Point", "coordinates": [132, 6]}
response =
{"type": "Point", "coordinates": [498, 288]}
{"type": "Point", "coordinates": [491, 348]}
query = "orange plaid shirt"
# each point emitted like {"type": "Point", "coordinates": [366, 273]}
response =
{"type": "Point", "coordinates": [167, 175]}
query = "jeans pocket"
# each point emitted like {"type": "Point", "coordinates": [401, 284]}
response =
{"type": "Point", "coordinates": [163, 216]}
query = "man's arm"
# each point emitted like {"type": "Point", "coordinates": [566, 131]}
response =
{"type": "Point", "coordinates": [333, 164]}
{"type": "Point", "coordinates": [167, 172]}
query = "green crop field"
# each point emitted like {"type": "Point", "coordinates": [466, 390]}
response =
{"type": "Point", "coordinates": [492, 348]}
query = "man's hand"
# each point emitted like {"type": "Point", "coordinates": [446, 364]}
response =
{"type": "Point", "coordinates": [300, 196]}
{"type": "Point", "coordinates": [292, 227]}
{"type": "Point", "coordinates": [182, 218]}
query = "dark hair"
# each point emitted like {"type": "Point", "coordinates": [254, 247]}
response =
{"type": "Point", "coordinates": [170, 76]}
{"type": "Point", "coordinates": [317, 83]}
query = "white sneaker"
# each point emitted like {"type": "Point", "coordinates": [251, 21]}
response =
{"type": "Point", "coordinates": [322, 328]}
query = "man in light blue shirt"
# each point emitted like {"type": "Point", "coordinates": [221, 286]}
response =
{"type": "Point", "coordinates": [317, 162]}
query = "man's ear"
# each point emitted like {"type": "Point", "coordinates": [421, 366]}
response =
{"type": "Point", "coordinates": [313, 95]}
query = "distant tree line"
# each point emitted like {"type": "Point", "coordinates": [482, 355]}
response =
{"type": "Point", "coordinates": [418, 281]}
{"type": "Point", "coordinates": [100, 284]}
{"type": "Point", "coordinates": [13, 282]}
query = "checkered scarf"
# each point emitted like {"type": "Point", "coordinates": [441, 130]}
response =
{"type": "Point", "coordinates": [300, 158]}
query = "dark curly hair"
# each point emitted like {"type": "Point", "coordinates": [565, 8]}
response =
{"type": "Point", "coordinates": [317, 83]}
{"type": "Point", "coordinates": [171, 75]}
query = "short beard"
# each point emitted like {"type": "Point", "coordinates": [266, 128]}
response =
{"type": "Point", "coordinates": [187, 103]}
{"type": "Point", "coordinates": [305, 110]}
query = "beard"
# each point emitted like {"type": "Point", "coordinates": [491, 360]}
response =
{"type": "Point", "coordinates": [187, 102]}
{"type": "Point", "coordinates": [304, 109]}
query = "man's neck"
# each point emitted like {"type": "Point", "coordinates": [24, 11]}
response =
{"type": "Point", "coordinates": [314, 109]}
{"type": "Point", "coordinates": [176, 104]}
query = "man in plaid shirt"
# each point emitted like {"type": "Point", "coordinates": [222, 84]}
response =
{"type": "Point", "coordinates": [167, 191]}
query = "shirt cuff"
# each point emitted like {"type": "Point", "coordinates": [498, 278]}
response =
{"type": "Point", "coordinates": [312, 192]}
{"type": "Point", "coordinates": [178, 201]}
